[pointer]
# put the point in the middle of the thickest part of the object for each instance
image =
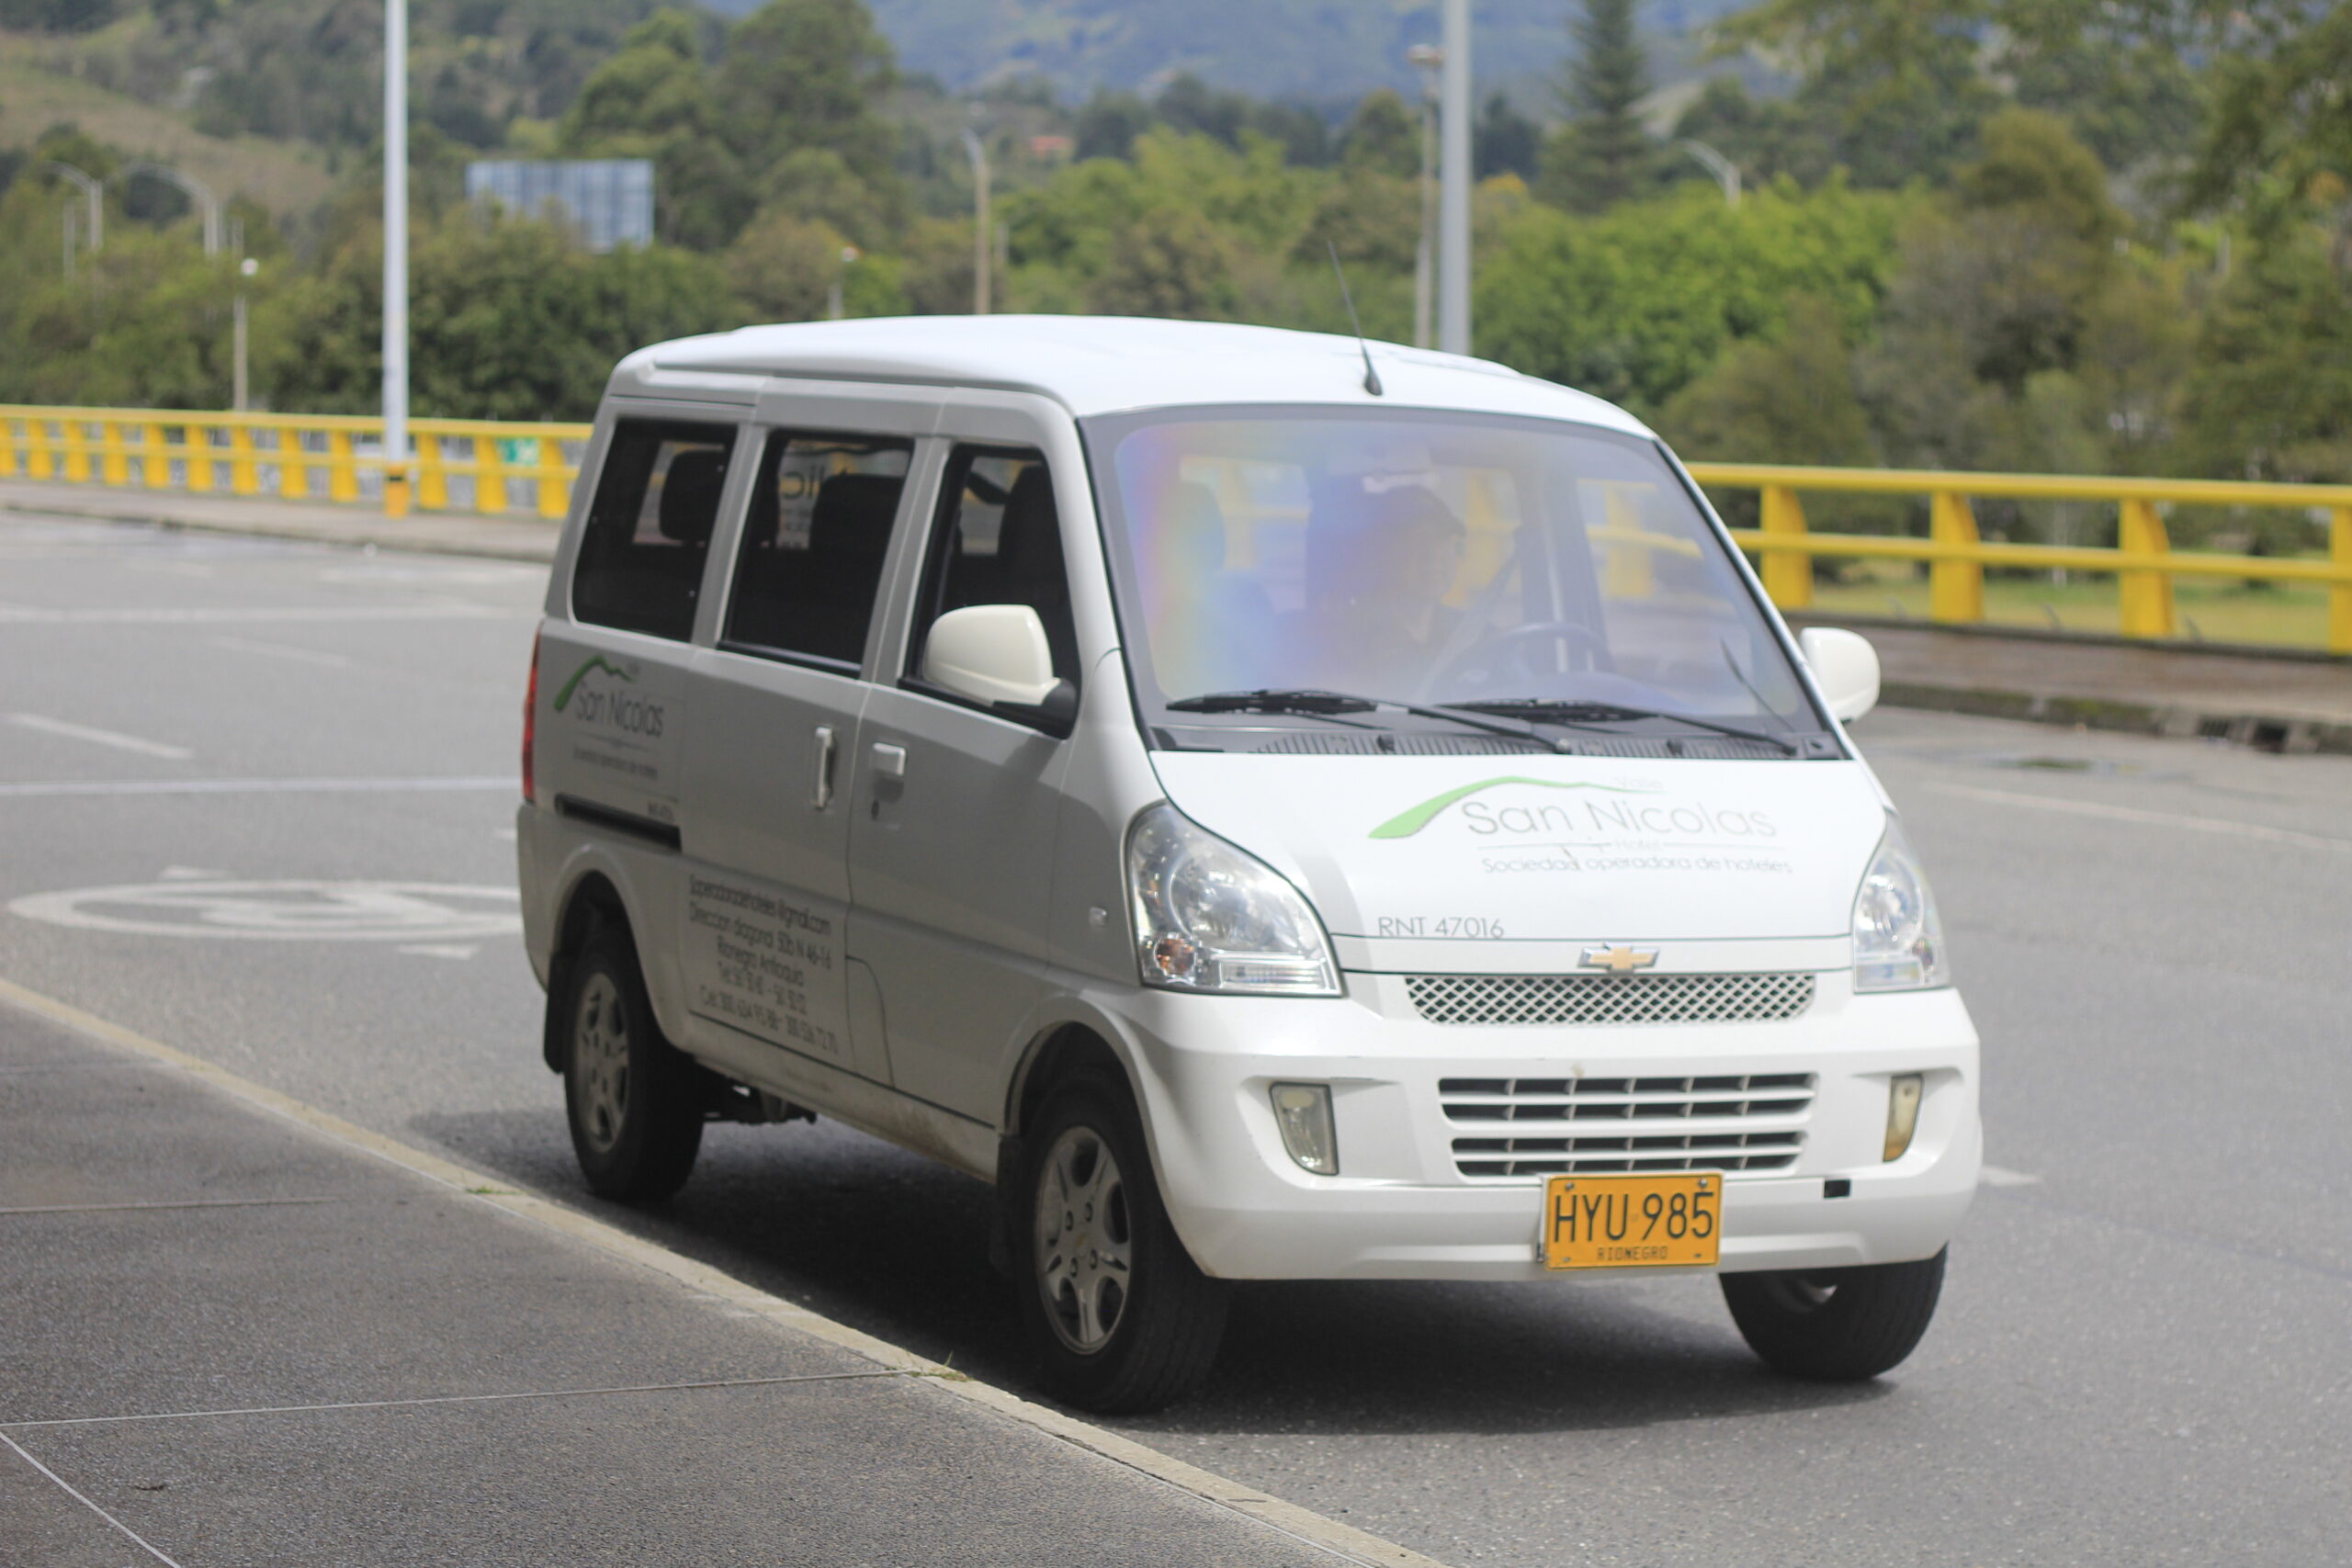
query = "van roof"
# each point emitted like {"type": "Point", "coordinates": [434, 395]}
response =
{"type": "Point", "coordinates": [1097, 364]}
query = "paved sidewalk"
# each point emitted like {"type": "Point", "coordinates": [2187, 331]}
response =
{"type": "Point", "coordinates": [2282, 703]}
{"type": "Point", "coordinates": [231, 1338]}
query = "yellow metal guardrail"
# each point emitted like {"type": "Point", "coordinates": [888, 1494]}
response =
{"type": "Point", "coordinates": [2145, 564]}
{"type": "Point", "coordinates": [472, 465]}
{"type": "Point", "coordinates": [478, 465]}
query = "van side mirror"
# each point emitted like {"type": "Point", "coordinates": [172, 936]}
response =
{"type": "Point", "coordinates": [997, 655]}
{"type": "Point", "coordinates": [1846, 665]}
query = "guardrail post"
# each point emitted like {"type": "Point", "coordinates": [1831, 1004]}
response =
{"type": "Point", "coordinates": [2146, 592]}
{"type": "Point", "coordinates": [554, 491]}
{"type": "Point", "coordinates": [75, 436]}
{"type": "Point", "coordinates": [490, 476]}
{"type": "Point", "coordinates": [7, 448]}
{"type": "Point", "coordinates": [114, 462]}
{"type": "Point", "coordinates": [1788, 574]}
{"type": "Point", "coordinates": [40, 463]}
{"type": "Point", "coordinates": [431, 476]}
{"type": "Point", "coordinates": [2339, 595]}
{"type": "Point", "coordinates": [342, 468]}
{"type": "Point", "coordinates": [1955, 585]}
{"type": "Point", "coordinates": [293, 465]}
{"type": "Point", "coordinates": [244, 469]}
{"type": "Point", "coordinates": [199, 440]}
{"type": "Point", "coordinates": [158, 464]}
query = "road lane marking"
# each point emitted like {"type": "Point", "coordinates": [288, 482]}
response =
{"type": "Point", "coordinates": [441, 950]}
{"type": "Point", "coordinates": [66, 787]}
{"type": "Point", "coordinates": [1996, 1176]}
{"type": "Point", "coordinates": [460, 1399]}
{"type": "Point", "coordinates": [65, 1487]}
{"type": "Point", "coordinates": [2151, 818]}
{"type": "Point", "coordinates": [113, 738]}
{"type": "Point", "coordinates": [283, 651]}
{"type": "Point", "coordinates": [1302, 1525]}
{"type": "Point", "coordinates": [285, 911]}
{"type": "Point", "coordinates": [174, 1203]}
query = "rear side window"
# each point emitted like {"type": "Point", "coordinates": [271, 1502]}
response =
{"type": "Point", "coordinates": [813, 545]}
{"type": "Point", "coordinates": [649, 527]}
{"type": "Point", "coordinates": [1000, 542]}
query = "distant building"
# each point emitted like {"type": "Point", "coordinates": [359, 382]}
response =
{"type": "Point", "coordinates": [609, 201]}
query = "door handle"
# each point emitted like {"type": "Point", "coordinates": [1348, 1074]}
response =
{"type": "Point", "coordinates": [822, 796]}
{"type": "Point", "coordinates": [889, 761]}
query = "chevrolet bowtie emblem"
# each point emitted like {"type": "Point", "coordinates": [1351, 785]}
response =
{"type": "Point", "coordinates": [1619, 960]}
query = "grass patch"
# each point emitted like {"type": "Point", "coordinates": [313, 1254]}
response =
{"type": "Point", "coordinates": [2208, 610]}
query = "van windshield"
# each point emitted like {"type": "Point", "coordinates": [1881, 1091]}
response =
{"type": "Point", "coordinates": [1273, 563]}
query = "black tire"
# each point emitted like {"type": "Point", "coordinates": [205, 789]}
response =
{"type": "Point", "coordinates": [1157, 1319]}
{"type": "Point", "coordinates": [1835, 1324]}
{"type": "Point", "coordinates": [634, 1100]}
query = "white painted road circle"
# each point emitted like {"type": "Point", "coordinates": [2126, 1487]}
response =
{"type": "Point", "coordinates": [285, 911]}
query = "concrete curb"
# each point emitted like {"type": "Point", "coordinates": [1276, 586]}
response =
{"type": "Point", "coordinates": [428, 533]}
{"type": "Point", "coordinates": [1310, 1529]}
{"type": "Point", "coordinates": [2262, 732]}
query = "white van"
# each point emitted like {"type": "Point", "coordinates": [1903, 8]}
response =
{"type": "Point", "coordinates": [1276, 808]}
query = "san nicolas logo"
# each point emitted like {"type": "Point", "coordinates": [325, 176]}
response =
{"type": "Point", "coordinates": [608, 703]}
{"type": "Point", "coordinates": [1599, 810]}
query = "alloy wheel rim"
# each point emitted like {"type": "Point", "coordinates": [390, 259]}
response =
{"type": "Point", "coordinates": [1085, 1242]}
{"type": "Point", "coordinates": [600, 1062]}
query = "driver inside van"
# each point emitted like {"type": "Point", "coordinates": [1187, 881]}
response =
{"type": "Point", "coordinates": [1380, 579]}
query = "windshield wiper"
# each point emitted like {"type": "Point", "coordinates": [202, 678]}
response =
{"type": "Point", "coordinates": [1556, 710]}
{"type": "Point", "coordinates": [1317, 704]}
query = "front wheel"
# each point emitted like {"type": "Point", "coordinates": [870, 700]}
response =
{"type": "Point", "coordinates": [629, 1095]}
{"type": "Point", "coordinates": [1122, 1317]}
{"type": "Point", "coordinates": [1835, 1324]}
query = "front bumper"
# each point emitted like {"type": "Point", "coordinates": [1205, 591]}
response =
{"type": "Point", "coordinates": [1401, 1209]}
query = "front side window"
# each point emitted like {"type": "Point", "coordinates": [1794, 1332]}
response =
{"type": "Point", "coordinates": [998, 542]}
{"type": "Point", "coordinates": [649, 527]}
{"type": "Point", "coordinates": [1515, 569]}
{"type": "Point", "coordinates": [814, 541]}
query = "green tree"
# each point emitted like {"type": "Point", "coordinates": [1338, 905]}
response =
{"type": "Point", "coordinates": [2271, 394]}
{"type": "Point", "coordinates": [1605, 154]}
{"type": "Point", "coordinates": [1637, 303]}
{"type": "Point", "coordinates": [810, 73]}
{"type": "Point", "coordinates": [782, 266]}
{"type": "Point", "coordinates": [653, 99]}
{"type": "Point", "coordinates": [1382, 136]}
{"type": "Point", "coordinates": [1169, 261]}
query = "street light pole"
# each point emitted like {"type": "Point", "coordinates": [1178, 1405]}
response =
{"type": "Point", "coordinates": [94, 191]}
{"type": "Point", "coordinates": [983, 253]}
{"type": "Point", "coordinates": [1726, 173]}
{"type": "Point", "coordinates": [1453, 199]}
{"type": "Point", "coordinates": [1428, 58]}
{"type": "Point", "coordinates": [240, 394]}
{"type": "Point", "coordinates": [396, 496]}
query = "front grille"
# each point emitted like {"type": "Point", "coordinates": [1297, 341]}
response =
{"type": "Point", "coordinates": [1609, 998]}
{"type": "Point", "coordinates": [1733, 1121]}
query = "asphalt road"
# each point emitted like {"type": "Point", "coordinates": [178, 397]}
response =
{"type": "Point", "coordinates": [2144, 1354]}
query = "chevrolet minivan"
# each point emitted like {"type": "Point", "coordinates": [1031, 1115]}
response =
{"type": "Point", "coordinates": [1277, 807]}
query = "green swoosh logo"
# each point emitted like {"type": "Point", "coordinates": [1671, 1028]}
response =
{"type": "Point", "coordinates": [595, 664]}
{"type": "Point", "coordinates": [1407, 823]}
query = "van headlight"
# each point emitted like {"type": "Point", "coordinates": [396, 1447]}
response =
{"type": "Point", "coordinates": [1209, 916]}
{"type": "Point", "coordinates": [1898, 941]}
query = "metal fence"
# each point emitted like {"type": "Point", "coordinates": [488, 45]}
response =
{"type": "Point", "coordinates": [495, 468]}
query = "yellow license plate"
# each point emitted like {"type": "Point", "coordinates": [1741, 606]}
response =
{"type": "Point", "coordinates": [1632, 1222]}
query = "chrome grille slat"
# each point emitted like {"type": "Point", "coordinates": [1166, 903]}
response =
{"type": "Point", "coordinates": [1609, 998]}
{"type": "Point", "coordinates": [1524, 1128]}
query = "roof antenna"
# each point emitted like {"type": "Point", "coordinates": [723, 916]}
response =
{"type": "Point", "coordinates": [1371, 377]}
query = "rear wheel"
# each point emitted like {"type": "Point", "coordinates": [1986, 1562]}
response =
{"type": "Point", "coordinates": [1835, 1324]}
{"type": "Point", "coordinates": [1118, 1312]}
{"type": "Point", "coordinates": [632, 1098]}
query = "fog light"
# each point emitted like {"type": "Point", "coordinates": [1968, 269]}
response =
{"type": "Point", "coordinates": [1901, 1113]}
{"type": "Point", "coordinates": [1302, 1110]}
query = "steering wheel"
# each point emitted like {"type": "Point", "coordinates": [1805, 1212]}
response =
{"type": "Point", "coordinates": [1514, 646]}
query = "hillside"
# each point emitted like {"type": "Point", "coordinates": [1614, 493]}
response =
{"type": "Point", "coordinates": [1318, 51]}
